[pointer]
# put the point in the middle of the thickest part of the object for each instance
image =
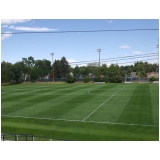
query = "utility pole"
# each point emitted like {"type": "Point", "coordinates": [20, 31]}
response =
{"type": "Point", "coordinates": [53, 67]}
{"type": "Point", "coordinates": [99, 50]}
{"type": "Point", "coordinates": [157, 69]}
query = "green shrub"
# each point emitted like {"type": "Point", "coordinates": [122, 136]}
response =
{"type": "Point", "coordinates": [70, 79]}
{"type": "Point", "coordinates": [152, 79]}
{"type": "Point", "coordinates": [86, 79]}
{"type": "Point", "coordinates": [118, 79]}
{"type": "Point", "coordinates": [98, 79]}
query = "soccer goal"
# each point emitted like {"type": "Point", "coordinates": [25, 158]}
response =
{"type": "Point", "coordinates": [128, 78]}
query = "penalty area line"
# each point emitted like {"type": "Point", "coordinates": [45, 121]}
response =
{"type": "Point", "coordinates": [67, 120]}
{"type": "Point", "coordinates": [103, 103]}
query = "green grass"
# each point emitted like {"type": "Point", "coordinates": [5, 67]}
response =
{"type": "Point", "coordinates": [82, 112]}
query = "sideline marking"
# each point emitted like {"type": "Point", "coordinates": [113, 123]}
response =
{"type": "Point", "coordinates": [89, 92]}
{"type": "Point", "coordinates": [147, 125]}
{"type": "Point", "coordinates": [103, 103]}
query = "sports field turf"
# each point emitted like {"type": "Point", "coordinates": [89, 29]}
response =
{"type": "Point", "coordinates": [82, 111]}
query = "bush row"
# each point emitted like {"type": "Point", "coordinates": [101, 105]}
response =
{"type": "Point", "coordinates": [106, 79]}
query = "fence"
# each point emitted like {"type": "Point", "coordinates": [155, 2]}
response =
{"type": "Point", "coordinates": [16, 137]}
{"type": "Point", "coordinates": [92, 80]}
{"type": "Point", "coordinates": [62, 80]}
{"type": "Point", "coordinates": [26, 137]}
{"type": "Point", "coordinates": [140, 79]}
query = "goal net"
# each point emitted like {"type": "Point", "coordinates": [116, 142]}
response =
{"type": "Point", "coordinates": [128, 78]}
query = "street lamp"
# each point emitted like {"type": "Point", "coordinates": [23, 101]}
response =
{"type": "Point", "coordinates": [53, 67]}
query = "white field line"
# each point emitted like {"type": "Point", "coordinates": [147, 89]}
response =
{"type": "Point", "coordinates": [81, 121]}
{"type": "Point", "coordinates": [89, 92]}
{"type": "Point", "coordinates": [103, 103]}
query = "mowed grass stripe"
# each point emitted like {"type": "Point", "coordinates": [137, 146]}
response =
{"type": "Point", "coordinates": [66, 125]}
{"type": "Point", "coordinates": [17, 103]}
{"type": "Point", "coordinates": [30, 92]}
{"type": "Point", "coordinates": [103, 103]}
{"type": "Point", "coordinates": [67, 120]}
{"type": "Point", "coordinates": [69, 130]}
{"type": "Point", "coordinates": [86, 103]}
{"type": "Point", "coordinates": [155, 102]}
{"type": "Point", "coordinates": [24, 99]}
{"type": "Point", "coordinates": [111, 110]}
{"type": "Point", "coordinates": [66, 104]}
{"type": "Point", "coordinates": [138, 110]}
{"type": "Point", "coordinates": [37, 103]}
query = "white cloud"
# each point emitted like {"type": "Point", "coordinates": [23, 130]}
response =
{"type": "Point", "coordinates": [32, 29]}
{"type": "Point", "coordinates": [124, 46]}
{"type": "Point", "coordinates": [81, 65]}
{"type": "Point", "coordinates": [154, 51]}
{"type": "Point", "coordinates": [14, 21]}
{"type": "Point", "coordinates": [4, 26]}
{"type": "Point", "coordinates": [137, 52]}
{"type": "Point", "coordinates": [108, 64]}
{"type": "Point", "coordinates": [110, 22]}
{"type": "Point", "coordinates": [11, 27]}
{"type": "Point", "coordinates": [4, 36]}
{"type": "Point", "coordinates": [139, 58]}
{"type": "Point", "coordinates": [71, 60]}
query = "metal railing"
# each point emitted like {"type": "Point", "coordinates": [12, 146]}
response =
{"type": "Point", "coordinates": [16, 137]}
{"type": "Point", "coordinates": [26, 137]}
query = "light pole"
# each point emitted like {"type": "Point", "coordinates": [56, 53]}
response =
{"type": "Point", "coordinates": [139, 74]}
{"type": "Point", "coordinates": [157, 68]}
{"type": "Point", "coordinates": [53, 67]}
{"type": "Point", "coordinates": [99, 50]}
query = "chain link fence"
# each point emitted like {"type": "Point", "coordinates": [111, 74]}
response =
{"type": "Point", "coordinates": [92, 80]}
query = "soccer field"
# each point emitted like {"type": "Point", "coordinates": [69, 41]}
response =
{"type": "Point", "coordinates": [106, 112]}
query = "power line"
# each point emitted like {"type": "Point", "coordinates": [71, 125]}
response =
{"type": "Point", "coordinates": [118, 30]}
{"type": "Point", "coordinates": [119, 58]}
{"type": "Point", "coordinates": [138, 61]}
{"type": "Point", "coordinates": [130, 58]}
{"type": "Point", "coordinates": [129, 62]}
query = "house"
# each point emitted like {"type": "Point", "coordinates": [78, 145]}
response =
{"type": "Point", "coordinates": [133, 74]}
{"type": "Point", "coordinates": [71, 74]}
{"type": "Point", "coordinates": [90, 75]}
{"type": "Point", "coordinates": [46, 76]}
{"type": "Point", "coordinates": [153, 74]}
{"type": "Point", "coordinates": [26, 77]}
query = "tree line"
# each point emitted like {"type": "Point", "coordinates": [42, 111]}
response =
{"type": "Point", "coordinates": [29, 69]}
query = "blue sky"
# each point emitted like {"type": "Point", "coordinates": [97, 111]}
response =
{"type": "Point", "coordinates": [79, 46]}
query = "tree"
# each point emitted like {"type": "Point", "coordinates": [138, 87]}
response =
{"type": "Point", "coordinates": [17, 71]}
{"type": "Point", "coordinates": [93, 68]}
{"type": "Point", "coordinates": [76, 72]}
{"type": "Point", "coordinates": [43, 67]}
{"type": "Point", "coordinates": [57, 69]}
{"type": "Point", "coordinates": [61, 68]}
{"type": "Point", "coordinates": [64, 67]}
{"type": "Point", "coordinates": [140, 71]}
{"type": "Point", "coordinates": [84, 71]}
{"type": "Point", "coordinates": [112, 70]}
{"type": "Point", "coordinates": [118, 79]}
{"type": "Point", "coordinates": [6, 72]}
{"type": "Point", "coordinates": [35, 74]}
{"type": "Point", "coordinates": [29, 64]}
{"type": "Point", "coordinates": [104, 69]}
